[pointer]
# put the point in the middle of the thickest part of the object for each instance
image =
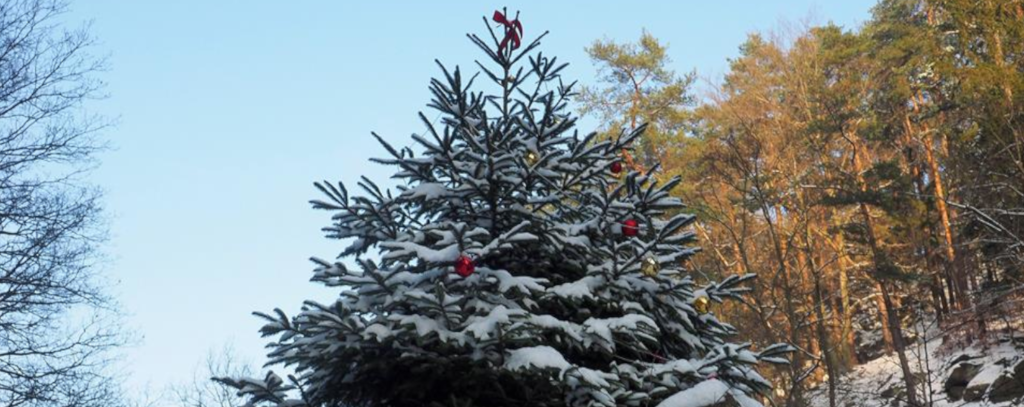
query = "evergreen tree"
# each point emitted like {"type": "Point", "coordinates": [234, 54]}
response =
{"type": "Point", "coordinates": [636, 86]}
{"type": "Point", "coordinates": [520, 265]}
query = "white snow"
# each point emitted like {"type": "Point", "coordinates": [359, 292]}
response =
{"type": "Point", "coordinates": [424, 253]}
{"type": "Point", "coordinates": [377, 331]}
{"type": "Point", "coordinates": [577, 289]}
{"type": "Point", "coordinates": [550, 322]}
{"type": "Point", "coordinates": [425, 326]}
{"type": "Point", "coordinates": [864, 384]}
{"type": "Point", "coordinates": [703, 394]}
{"type": "Point", "coordinates": [427, 190]}
{"type": "Point", "coordinates": [603, 328]}
{"type": "Point", "coordinates": [681, 366]}
{"type": "Point", "coordinates": [986, 376]}
{"type": "Point", "coordinates": [507, 281]}
{"type": "Point", "coordinates": [540, 357]}
{"type": "Point", "coordinates": [483, 327]}
{"type": "Point", "coordinates": [595, 377]}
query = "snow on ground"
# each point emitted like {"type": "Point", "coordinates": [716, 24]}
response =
{"type": "Point", "coordinates": [880, 382]}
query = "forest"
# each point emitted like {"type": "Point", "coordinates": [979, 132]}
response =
{"type": "Point", "coordinates": [873, 179]}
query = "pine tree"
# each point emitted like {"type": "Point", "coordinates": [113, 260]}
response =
{"type": "Point", "coordinates": [519, 265]}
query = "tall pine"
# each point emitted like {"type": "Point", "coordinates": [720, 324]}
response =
{"type": "Point", "coordinates": [571, 288]}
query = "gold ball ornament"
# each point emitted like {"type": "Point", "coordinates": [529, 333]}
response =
{"type": "Point", "coordinates": [531, 157]}
{"type": "Point", "coordinates": [649, 267]}
{"type": "Point", "coordinates": [701, 304]}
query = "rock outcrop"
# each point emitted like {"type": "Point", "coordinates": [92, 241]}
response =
{"type": "Point", "coordinates": [995, 382]}
{"type": "Point", "coordinates": [959, 378]}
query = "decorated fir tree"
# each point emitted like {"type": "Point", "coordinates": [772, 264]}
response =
{"type": "Point", "coordinates": [520, 265]}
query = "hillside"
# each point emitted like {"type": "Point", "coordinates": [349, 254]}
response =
{"type": "Point", "coordinates": [987, 373]}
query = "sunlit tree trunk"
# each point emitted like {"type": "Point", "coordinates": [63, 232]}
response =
{"type": "Point", "coordinates": [826, 351]}
{"type": "Point", "coordinates": [845, 308]}
{"type": "Point", "coordinates": [889, 313]}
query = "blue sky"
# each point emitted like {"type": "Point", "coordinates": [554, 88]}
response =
{"type": "Point", "coordinates": [228, 111]}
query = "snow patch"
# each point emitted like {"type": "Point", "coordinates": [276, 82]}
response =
{"type": "Point", "coordinates": [536, 357]}
{"type": "Point", "coordinates": [704, 394]}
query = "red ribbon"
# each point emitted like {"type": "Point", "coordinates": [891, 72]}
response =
{"type": "Point", "coordinates": [513, 30]}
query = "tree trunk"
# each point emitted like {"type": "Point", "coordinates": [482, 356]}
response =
{"type": "Point", "coordinates": [890, 313]}
{"type": "Point", "coordinates": [959, 280]}
{"type": "Point", "coordinates": [883, 311]}
{"type": "Point", "coordinates": [940, 200]}
{"type": "Point", "coordinates": [796, 391]}
{"type": "Point", "coordinates": [844, 263]}
{"type": "Point", "coordinates": [1000, 59]}
{"type": "Point", "coordinates": [909, 380]}
{"type": "Point", "coordinates": [827, 352]}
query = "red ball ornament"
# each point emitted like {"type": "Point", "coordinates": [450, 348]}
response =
{"type": "Point", "coordinates": [630, 227]}
{"type": "Point", "coordinates": [616, 167]}
{"type": "Point", "coordinates": [464, 266]}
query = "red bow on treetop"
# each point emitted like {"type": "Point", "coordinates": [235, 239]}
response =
{"type": "Point", "coordinates": [513, 30]}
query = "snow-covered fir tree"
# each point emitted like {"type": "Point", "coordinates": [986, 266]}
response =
{"type": "Point", "coordinates": [520, 265]}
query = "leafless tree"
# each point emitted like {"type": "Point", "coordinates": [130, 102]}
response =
{"type": "Point", "coordinates": [56, 327]}
{"type": "Point", "coordinates": [202, 391]}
